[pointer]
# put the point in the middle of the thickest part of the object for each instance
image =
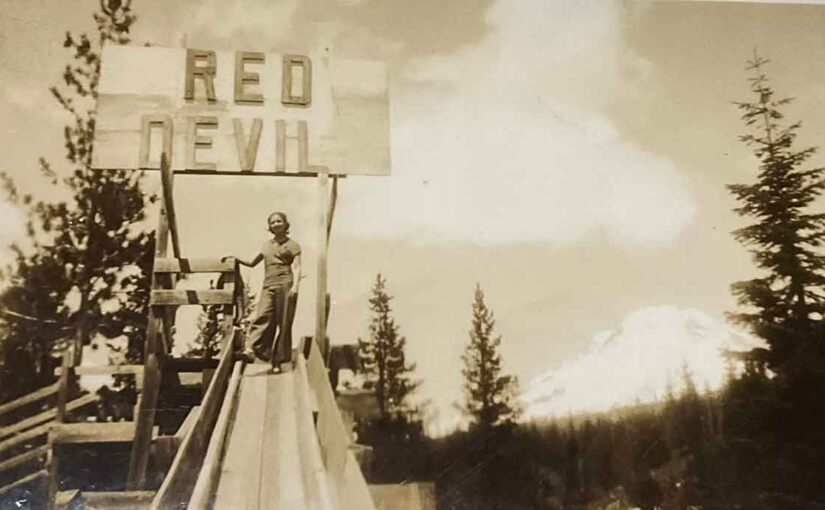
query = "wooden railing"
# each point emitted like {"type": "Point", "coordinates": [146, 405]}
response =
{"type": "Point", "coordinates": [349, 490]}
{"type": "Point", "coordinates": [25, 448]}
{"type": "Point", "coordinates": [179, 483]}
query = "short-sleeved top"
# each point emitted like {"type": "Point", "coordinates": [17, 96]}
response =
{"type": "Point", "coordinates": [278, 258]}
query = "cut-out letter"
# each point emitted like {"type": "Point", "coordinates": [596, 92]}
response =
{"type": "Point", "coordinates": [244, 77]}
{"type": "Point", "coordinates": [304, 97]}
{"type": "Point", "coordinates": [200, 64]}
{"type": "Point", "coordinates": [247, 147]}
{"type": "Point", "coordinates": [197, 141]}
{"type": "Point", "coordinates": [147, 123]}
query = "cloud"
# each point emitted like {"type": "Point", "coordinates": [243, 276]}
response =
{"type": "Point", "coordinates": [637, 362]}
{"type": "Point", "coordinates": [508, 140]}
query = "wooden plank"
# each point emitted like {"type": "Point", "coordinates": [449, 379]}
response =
{"type": "Point", "coordinates": [128, 500]}
{"type": "Point", "coordinates": [281, 484]}
{"type": "Point", "coordinates": [321, 261]}
{"type": "Point", "coordinates": [180, 297]}
{"type": "Point", "coordinates": [29, 398]}
{"type": "Point", "coordinates": [23, 437]}
{"type": "Point", "coordinates": [23, 481]}
{"type": "Point", "coordinates": [167, 185]}
{"type": "Point", "coordinates": [186, 266]}
{"type": "Point", "coordinates": [144, 423]}
{"type": "Point", "coordinates": [312, 465]}
{"type": "Point", "coordinates": [67, 499]}
{"type": "Point", "coordinates": [115, 432]}
{"type": "Point", "coordinates": [188, 422]}
{"type": "Point", "coordinates": [24, 457]}
{"type": "Point", "coordinates": [190, 364]}
{"type": "Point", "coordinates": [105, 370]}
{"type": "Point", "coordinates": [347, 118]}
{"type": "Point", "coordinates": [207, 482]}
{"type": "Point", "coordinates": [45, 416]}
{"type": "Point", "coordinates": [177, 487]}
{"type": "Point", "coordinates": [240, 481]}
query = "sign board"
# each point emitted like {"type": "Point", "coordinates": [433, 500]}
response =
{"type": "Point", "coordinates": [241, 112]}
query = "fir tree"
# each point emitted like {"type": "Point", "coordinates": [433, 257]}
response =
{"type": "Point", "coordinates": [207, 343]}
{"type": "Point", "coordinates": [84, 269]}
{"type": "Point", "coordinates": [784, 239]}
{"type": "Point", "coordinates": [383, 358]}
{"type": "Point", "coordinates": [489, 395]}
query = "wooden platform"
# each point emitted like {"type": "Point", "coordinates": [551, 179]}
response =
{"type": "Point", "coordinates": [262, 467]}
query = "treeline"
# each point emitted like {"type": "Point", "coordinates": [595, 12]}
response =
{"type": "Point", "coordinates": [758, 443]}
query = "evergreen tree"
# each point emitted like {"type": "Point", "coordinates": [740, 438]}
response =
{"type": "Point", "coordinates": [383, 358]}
{"type": "Point", "coordinates": [207, 343]}
{"type": "Point", "coordinates": [489, 395]}
{"type": "Point", "coordinates": [784, 239]}
{"type": "Point", "coordinates": [84, 269]}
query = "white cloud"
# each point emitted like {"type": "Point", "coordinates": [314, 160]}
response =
{"type": "Point", "coordinates": [507, 141]}
{"type": "Point", "coordinates": [637, 362]}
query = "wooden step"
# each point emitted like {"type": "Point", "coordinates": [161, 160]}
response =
{"type": "Point", "coordinates": [180, 297]}
{"type": "Point", "coordinates": [185, 266]}
{"type": "Point", "coordinates": [115, 432]}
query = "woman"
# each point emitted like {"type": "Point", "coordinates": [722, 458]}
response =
{"type": "Point", "coordinates": [276, 304]}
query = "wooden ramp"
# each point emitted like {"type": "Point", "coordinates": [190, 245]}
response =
{"type": "Point", "coordinates": [278, 443]}
{"type": "Point", "coordinates": [262, 465]}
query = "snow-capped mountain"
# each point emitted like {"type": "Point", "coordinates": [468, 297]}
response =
{"type": "Point", "coordinates": [637, 362]}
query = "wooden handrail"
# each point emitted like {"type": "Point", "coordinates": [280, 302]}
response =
{"type": "Point", "coordinates": [23, 481]}
{"type": "Point", "coordinates": [349, 489]}
{"type": "Point", "coordinates": [28, 435]}
{"type": "Point", "coordinates": [208, 477]}
{"type": "Point", "coordinates": [30, 398]}
{"type": "Point", "coordinates": [23, 458]}
{"type": "Point", "coordinates": [179, 482]}
{"type": "Point", "coordinates": [45, 416]}
{"type": "Point", "coordinates": [315, 476]}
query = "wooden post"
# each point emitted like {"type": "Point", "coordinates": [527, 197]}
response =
{"type": "Point", "coordinates": [321, 268]}
{"type": "Point", "coordinates": [159, 324]}
{"type": "Point", "coordinates": [66, 376]}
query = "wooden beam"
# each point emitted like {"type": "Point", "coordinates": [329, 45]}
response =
{"type": "Point", "coordinates": [105, 370]}
{"type": "Point", "coordinates": [189, 364]}
{"type": "Point", "coordinates": [188, 422]}
{"type": "Point", "coordinates": [181, 297]}
{"type": "Point", "coordinates": [23, 481]}
{"type": "Point", "coordinates": [28, 435]}
{"type": "Point", "coordinates": [29, 398]}
{"type": "Point", "coordinates": [45, 416]}
{"type": "Point", "coordinates": [111, 500]}
{"type": "Point", "coordinates": [186, 266]}
{"type": "Point", "coordinates": [207, 483]}
{"type": "Point", "coordinates": [115, 432]}
{"type": "Point", "coordinates": [144, 424]}
{"type": "Point", "coordinates": [321, 267]}
{"type": "Point", "coordinates": [314, 474]}
{"type": "Point", "coordinates": [167, 181]}
{"type": "Point", "coordinates": [24, 457]}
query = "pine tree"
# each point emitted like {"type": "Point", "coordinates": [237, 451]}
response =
{"type": "Point", "coordinates": [207, 343]}
{"type": "Point", "coordinates": [489, 395]}
{"type": "Point", "coordinates": [84, 268]}
{"type": "Point", "coordinates": [784, 239]}
{"type": "Point", "coordinates": [383, 358]}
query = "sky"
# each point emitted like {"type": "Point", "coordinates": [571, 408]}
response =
{"type": "Point", "coordinates": [571, 158]}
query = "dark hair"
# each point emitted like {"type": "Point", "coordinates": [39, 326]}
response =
{"type": "Point", "coordinates": [283, 217]}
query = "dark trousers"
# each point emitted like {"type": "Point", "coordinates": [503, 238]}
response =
{"type": "Point", "coordinates": [275, 312]}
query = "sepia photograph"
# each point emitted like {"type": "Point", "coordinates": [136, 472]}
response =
{"type": "Point", "coordinates": [412, 255]}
